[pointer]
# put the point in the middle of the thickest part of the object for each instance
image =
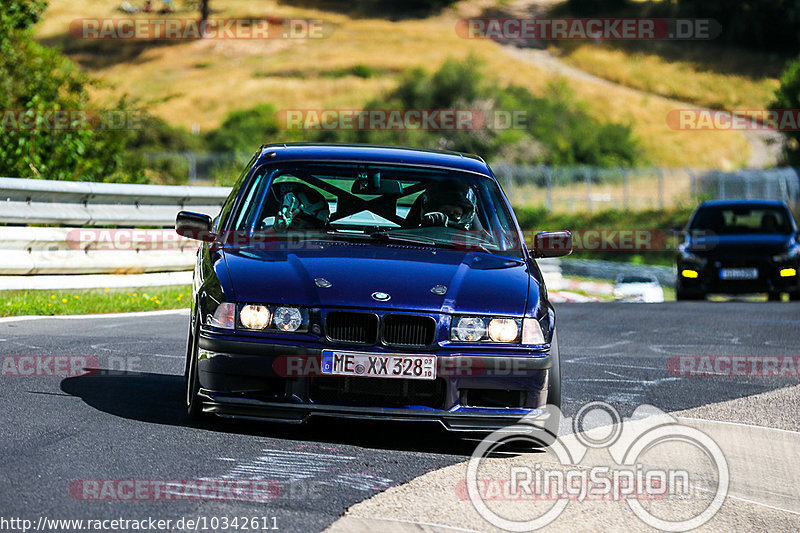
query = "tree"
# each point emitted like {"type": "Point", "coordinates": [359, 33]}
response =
{"type": "Point", "coordinates": [37, 82]}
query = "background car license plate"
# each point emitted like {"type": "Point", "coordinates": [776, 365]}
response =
{"type": "Point", "coordinates": [378, 365]}
{"type": "Point", "coordinates": [738, 273]}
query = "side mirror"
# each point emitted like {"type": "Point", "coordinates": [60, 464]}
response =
{"type": "Point", "coordinates": [552, 244]}
{"type": "Point", "coordinates": [194, 226]}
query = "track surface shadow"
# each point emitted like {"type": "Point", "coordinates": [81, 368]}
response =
{"type": "Point", "coordinates": [158, 399]}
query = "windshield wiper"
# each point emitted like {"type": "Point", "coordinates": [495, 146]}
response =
{"type": "Point", "coordinates": [389, 237]}
{"type": "Point", "coordinates": [393, 237]}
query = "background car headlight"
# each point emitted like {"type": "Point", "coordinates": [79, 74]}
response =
{"type": "Point", "coordinates": [254, 316]}
{"type": "Point", "coordinates": [224, 316]}
{"type": "Point", "coordinates": [532, 332]}
{"type": "Point", "coordinates": [503, 330]}
{"type": "Point", "coordinates": [469, 329]}
{"type": "Point", "coordinates": [791, 253]}
{"type": "Point", "coordinates": [689, 257]}
{"type": "Point", "coordinates": [288, 319]}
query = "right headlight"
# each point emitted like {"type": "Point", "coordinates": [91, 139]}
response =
{"type": "Point", "coordinates": [288, 319]}
{"type": "Point", "coordinates": [254, 316]}
{"type": "Point", "coordinates": [260, 317]}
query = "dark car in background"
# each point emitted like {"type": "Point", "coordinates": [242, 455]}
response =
{"type": "Point", "coordinates": [359, 281]}
{"type": "Point", "coordinates": [739, 247]}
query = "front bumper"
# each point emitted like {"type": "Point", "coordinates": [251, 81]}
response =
{"type": "Point", "coordinates": [710, 281]}
{"type": "Point", "coordinates": [282, 383]}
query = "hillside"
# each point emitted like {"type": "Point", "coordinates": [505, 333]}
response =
{"type": "Point", "coordinates": [195, 84]}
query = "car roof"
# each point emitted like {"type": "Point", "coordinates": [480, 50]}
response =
{"type": "Point", "coordinates": [373, 154]}
{"type": "Point", "coordinates": [744, 202]}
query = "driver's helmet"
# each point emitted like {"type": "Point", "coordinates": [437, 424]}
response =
{"type": "Point", "coordinates": [455, 200]}
{"type": "Point", "coordinates": [300, 207]}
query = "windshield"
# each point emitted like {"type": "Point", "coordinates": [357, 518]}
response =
{"type": "Point", "coordinates": [635, 279]}
{"type": "Point", "coordinates": [391, 203]}
{"type": "Point", "coordinates": [742, 219]}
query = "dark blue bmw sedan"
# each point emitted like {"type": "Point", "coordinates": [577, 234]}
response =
{"type": "Point", "coordinates": [369, 282]}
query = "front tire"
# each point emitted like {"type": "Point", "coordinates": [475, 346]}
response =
{"type": "Point", "coordinates": [554, 377]}
{"type": "Point", "coordinates": [688, 296]}
{"type": "Point", "coordinates": [193, 404]}
{"type": "Point", "coordinates": [554, 391]}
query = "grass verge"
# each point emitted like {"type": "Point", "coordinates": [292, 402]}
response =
{"type": "Point", "coordinates": [683, 80]}
{"type": "Point", "coordinates": [91, 301]}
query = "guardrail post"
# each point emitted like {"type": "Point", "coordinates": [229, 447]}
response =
{"type": "Point", "coordinates": [625, 191]}
{"type": "Point", "coordinates": [588, 178]}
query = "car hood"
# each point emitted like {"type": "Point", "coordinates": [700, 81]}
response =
{"type": "Point", "coordinates": [740, 244]}
{"type": "Point", "coordinates": [476, 282]}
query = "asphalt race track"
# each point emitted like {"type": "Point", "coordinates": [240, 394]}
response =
{"type": "Point", "coordinates": [126, 421]}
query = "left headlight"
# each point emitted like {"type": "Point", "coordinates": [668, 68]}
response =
{"type": "Point", "coordinates": [790, 254]}
{"type": "Point", "coordinates": [485, 329]}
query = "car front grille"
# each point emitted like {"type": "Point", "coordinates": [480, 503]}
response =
{"type": "Point", "coordinates": [377, 392]}
{"type": "Point", "coordinates": [409, 330]}
{"type": "Point", "coordinates": [357, 328]}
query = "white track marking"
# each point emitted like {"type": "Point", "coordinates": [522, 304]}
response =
{"type": "Point", "coordinates": [95, 316]}
{"type": "Point", "coordinates": [742, 424]}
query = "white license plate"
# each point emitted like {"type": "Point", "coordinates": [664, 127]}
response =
{"type": "Point", "coordinates": [378, 365]}
{"type": "Point", "coordinates": [738, 273]}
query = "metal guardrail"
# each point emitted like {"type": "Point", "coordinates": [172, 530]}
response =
{"type": "Point", "coordinates": [609, 270]}
{"type": "Point", "coordinates": [72, 203]}
{"type": "Point", "coordinates": [66, 250]}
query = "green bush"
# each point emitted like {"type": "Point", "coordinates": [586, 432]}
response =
{"type": "Point", "coordinates": [554, 129]}
{"type": "Point", "coordinates": [788, 97]}
{"type": "Point", "coordinates": [243, 131]}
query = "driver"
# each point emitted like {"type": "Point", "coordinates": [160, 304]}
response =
{"type": "Point", "coordinates": [449, 204]}
{"type": "Point", "coordinates": [300, 208]}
